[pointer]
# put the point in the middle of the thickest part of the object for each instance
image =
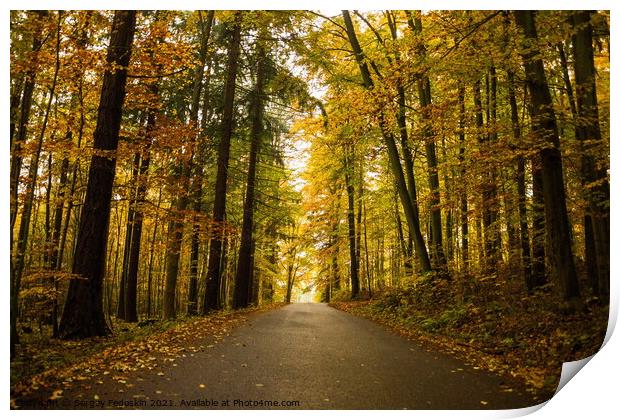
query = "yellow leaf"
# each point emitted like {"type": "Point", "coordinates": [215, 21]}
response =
{"type": "Point", "coordinates": [56, 394]}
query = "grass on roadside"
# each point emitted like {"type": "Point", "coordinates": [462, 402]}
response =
{"type": "Point", "coordinates": [526, 336]}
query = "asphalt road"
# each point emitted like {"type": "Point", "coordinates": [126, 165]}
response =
{"type": "Point", "coordinates": [311, 356]}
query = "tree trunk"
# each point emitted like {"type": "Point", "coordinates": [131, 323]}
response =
{"type": "Point", "coordinates": [594, 177]}
{"type": "Point", "coordinates": [348, 169]}
{"type": "Point", "coordinates": [212, 291]}
{"type": "Point", "coordinates": [524, 237]}
{"type": "Point", "coordinates": [488, 186]}
{"type": "Point", "coordinates": [196, 188]}
{"type": "Point", "coordinates": [24, 227]}
{"type": "Point", "coordinates": [241, 295]}
{"type": "Point", "coordinates": [463, 170]}
{"type": "Point", "coordinates": [394, 158]}
{"type": "Point", "coordinates": [544, 124]}
{"type": "Point", "coordinates": [24, 119]}
{"type": "Point", "coordinates": [425, 100]}
{"type": "Point", "coordinates": [83, 312]}
{"type": "Point", "coordinates": [131, 285]}
{"type": "Point", "coordinates": [131, 213]}
{"type": "Point", "coordinates": [149, 284]}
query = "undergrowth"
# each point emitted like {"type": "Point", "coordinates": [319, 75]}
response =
{"type": "Point", "coordinates": [526, 336]}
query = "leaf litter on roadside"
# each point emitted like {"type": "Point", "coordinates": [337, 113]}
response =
{"type": "Point", "coordinates": [116, 359]}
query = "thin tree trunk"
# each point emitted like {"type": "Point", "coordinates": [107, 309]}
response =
{"type": "Point", "coordinates": [348, 169]}
{"type": "Point", "coordinates": [463, 170]}
{"type": "Point", "coordinates": [149, 287]}
{"type": "Point", "coordinates": [24, 227]}
{"type": "Point", "coordinates": [120, 309]}
{"type": "Point", "coordinates": [131, 281]}
{"type": "Point", "coordinates": [521, 190]}
{"type": "Point", "coordinates": [394, 158]}
{"type": "Point", "coordinates": [24, 119]}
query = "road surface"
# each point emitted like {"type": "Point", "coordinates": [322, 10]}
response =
{"type": "Point", "coordinates": [309, 356]}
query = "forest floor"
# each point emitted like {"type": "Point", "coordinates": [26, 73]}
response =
{"type": "Point", "coordinates": [46, 366]}
{"type": "Point", "coordinates": [527, 337]}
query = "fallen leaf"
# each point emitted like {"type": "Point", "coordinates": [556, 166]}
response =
{"type": "Point", "coordinates": [56, 395]}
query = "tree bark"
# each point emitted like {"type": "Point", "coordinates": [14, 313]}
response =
{"type": "Point", "coordinates": [524, 237]}
{"type": "Point", "coordinates": [463, 193]}
{"type": "Point", "coordinates": [17, 267]}
{"type": "Point", "coordinates": [544, 125]}
{"type": "Point", "coordinates": [212, 291]}
{"type": "Point", "coordinates": [131, 285]}
{"type": "Point", "coordinates": [412, 218]}
{"type": "Point", "coordinates": [83, 312]}
{"type": "Point", "coordinates": [241, 295]}
{"type": "Point", "coordinates": [24, 119]}
{"type": "Point", "coordinates": [131, 213]}
{"type": "Point", "coordinates": [348, 169]}
{"type": "Point", "coordinates": [425, 100]}
{"type": "Point", "coordinates": [196, 188]}
{"type": "Point", "coordinates": [594, 176]}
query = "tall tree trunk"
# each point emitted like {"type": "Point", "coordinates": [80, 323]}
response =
{"type": "Point", "coordinates": [358, 221]}
{"type": "Point", "coordinates": [175, 231]}
{"type": "Point", "coordinates": [24, 227]}
{"type": "Point", "coordinates": [401, 119]}
{"type": "Point", "coordinates": [594, 176]}
{"type": "Point", "coordinates": [173, 247]}
{"type": "Point", "coordinates": [544, 125]}
{"type": "Point", "coordinates": [489, 225]}
{"type": "Point", "coordinates": [83, 312]}
{"type": "Point", "coordinates": [241, 295]}
{"type": "Point", "coordinates": [55, 262]}
{"type": "Point", "coordinates": [131, 281]}
{"type": "Point", "coordinates": [521, 190]}
{"type": "Point", "coordinates": [348, 169]}
{"type": "Point", "coordinates": [491, 184]}
{"type": "Point", "coordinates": [131, 213]}
{"type": "Point", "coordinates": [196, 188]}
{"type": "Point", "coordinates": [335, 247]}
{"type": "Point", "coordinates": [412, 218]}
{"type": "Point", "coordinates": [17, 89]}
{"type": "Point", "coordinates": [463, 194]}
{"type": "Point", "coordinates": [24, 119]}
{"type": "Point", "coordinates": [212, 291]}
{"type": "Point", "coordinates": [425, 100]}
{"type": "Point", "coordinates": [366, 257]}
{"type": "Point", "coordinates": [539, 260]}
{"type": "Point", "coordinates": [149, 284]}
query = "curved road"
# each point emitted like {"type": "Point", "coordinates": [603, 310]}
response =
{"type": "Point", "coordinates": [311, 356]}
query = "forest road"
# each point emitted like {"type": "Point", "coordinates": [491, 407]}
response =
{"type": "Point", "coordinates": [311, 356]}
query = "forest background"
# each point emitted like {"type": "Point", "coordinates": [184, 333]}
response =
{"type": "Point", "coordinates": [433, 322]}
